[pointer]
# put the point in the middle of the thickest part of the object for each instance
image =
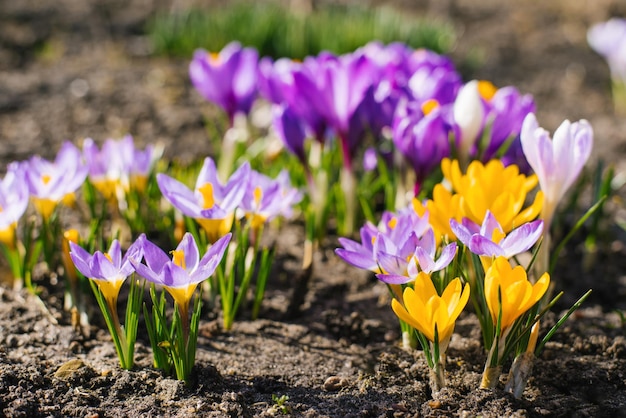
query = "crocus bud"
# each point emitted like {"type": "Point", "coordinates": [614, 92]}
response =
{"type": "Point", "coordinates": [468, 116]}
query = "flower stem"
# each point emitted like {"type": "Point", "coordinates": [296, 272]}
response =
{"type": "Point", "coordinates": [437, 378]}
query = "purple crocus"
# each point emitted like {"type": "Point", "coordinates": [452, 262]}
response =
{"type": "Point", "coordinates": [335, 87]}
{"type": "Point", "coordinates": [506, 110]}
{"type": "Point", "coordinates": [267, 198]}
{"type": "Point", "coordinates": [13, 202]}
{"type": "Point", "coordinates": [398, 271]}
{"type": "Point", "coordinates": [421, 135]}
{"type": "Point", "coordinates": [118, 166]}
{"type": "Point", "coordinates": [432, 76]}
{"type": "Point", "coordinates": [108, 270]}
{"type": "Point", "coordinates": [211, 203]}
{"type": "Point", "coordinates": [609, 40]}
{"type": "Point", "coordinates": [180, 275]}
{"type": "Point", "coordinates": [395, 238]}
{"type": "Point", "coordinates": [490, 240]}
{"type": "Point", "coordinates": [228, 78]}
{"type": "Point", "coordinates": [50, 182]}
{"type": "Point", "coordinates": [289, 128]}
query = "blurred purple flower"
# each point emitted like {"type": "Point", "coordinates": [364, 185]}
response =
{"type": "Point", "coordinates": [13, 201]}
{"type": "Point", "coordinates": [267, 198]}
{"type": "Point", "coordinates": [335, 87]}
{"type": "Point", "coordinates": [421, 134]}
{"type": "Point", "coordinates": [370, 159]}
{"type": "Point", "coordinates": [289, 128]}
{"type": "Point", "coordinates": [118, 166]}
{"type": "Point", "coordinates": [228, 79]}
{"type": "Point", "coordinates": [506, 110]}
{"type": "Point", "coordinates": [432, 76]}
{"type": "Point", "coordinates": [50, 182]}
{"type": "Point", "coordinates": [609, 40]}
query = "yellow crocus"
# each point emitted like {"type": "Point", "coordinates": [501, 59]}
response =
{"type": "Point", "coordinates": [425, 310]}
{"type": "Point", "coordinates": [518, 295]}
{"type": "Point", "coordinates": [496, 188]}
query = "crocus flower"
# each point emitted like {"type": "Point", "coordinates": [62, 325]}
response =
{"type": "Point", "coordinates": [289, 128]}
{"type": "Point", "coordinates": [335, 86]}
{"type": "Point", "coordinates": [70, 235]}
{"type": "Point", "coordinates": [13, 202]}
{"type": "Point", "coordinates": [495, 188]}
{"type": "Point", "coordinates": [432, 76]}
{"type": "Point", "coordinates": [396, 236]}
{"type": "Point", "coordinates": [118, 166]}
{"type": "Point", "coordinates": [509, 293]}
{"type": "Point", "coordinates": [181, 275]}
{"type": "Point", "coordinates": [609, 40]}
{"type": "Point", "coordinates": [421, 136]}
{"type": "Point", "coordinates": [227, 78]}
{"type": "Point", "coordinates": [469, 116]}
{"type": "Point", "coordinates": [278, 85]}
{"type": "Point", "coordinates": [370, 159]}
{"type": "Point", "coordinates": [108, 270]}
{"type": "Point", "coordinates": [400, 271]}
{"type": "Point", "coordinates": [51, 182]}
{"type": "Point", "coordinates": [267, 198]}
{"type": "Point", "coordinates": [557, 163]}
{"type": "Point", "coordinates": [141, 163]}
{"type": "Point", "coordinates": [211, 203]}
{"type": "Point", "coordinates": [490, 240]}
{"type": "Point", "coordinates": [426, 311]}
{"type": "Point", "coordinates": [506, 110]}
{"type": "Point", "coordinates": [107, 168]}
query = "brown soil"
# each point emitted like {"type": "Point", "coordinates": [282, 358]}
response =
{"type": "Point", "coordinates": [340, 356]}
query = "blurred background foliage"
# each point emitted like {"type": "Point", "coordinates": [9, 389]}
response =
{"type": "Point", "coordinates": [279, 31]}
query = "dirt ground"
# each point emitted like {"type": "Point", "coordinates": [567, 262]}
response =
{"type": "Point", "coordinates": [71, 69]}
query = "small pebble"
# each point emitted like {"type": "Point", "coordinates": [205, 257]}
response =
{"type": "Point", "coordinates": [335, 383]}
{"type": "Point", "coordinates": [69, 368]}
{"type": "Point", "coordinates": [434, 404]}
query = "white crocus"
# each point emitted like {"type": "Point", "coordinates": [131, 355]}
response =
{"type": "Point", "coordinates": [468, 115]}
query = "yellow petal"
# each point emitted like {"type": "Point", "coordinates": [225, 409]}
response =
{"type": "Point", "coordinates": [216, 228]}
{"type": "Point", "coordinates": [182, 295]}
{"type": "Point", "coordinates": [45, 207]}
{"type": "Point", "coordinates": [403, 314]}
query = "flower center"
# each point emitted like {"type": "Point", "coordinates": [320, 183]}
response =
{"type": "Point", "coordinates": [45, 178]}
{"type": "Point", "coordinates": [486, 89]}
{"type": "Point", "coordinates": [214, 58]}
{"type": "Point", "coordinates": [258, 195]}
{"type": "Point", "coordinates": [207, 195]}
{"type": "Point", "coordinates": [178, 258]}
{"type": "Point", "coordinates": [429, 105]}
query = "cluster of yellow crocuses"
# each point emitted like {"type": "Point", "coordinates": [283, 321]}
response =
{"type": "Point", "coordinates": [484, 212]}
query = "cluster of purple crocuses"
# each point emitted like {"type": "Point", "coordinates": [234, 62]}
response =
{"type": "Point", "coordinates": [213, 204]}
{"type": "Point", "coordinates": [114, 169]}
{"type": "Point", "coordinates": [118, 166]}
{"type": "Point", "coordinates": [416, 97]}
